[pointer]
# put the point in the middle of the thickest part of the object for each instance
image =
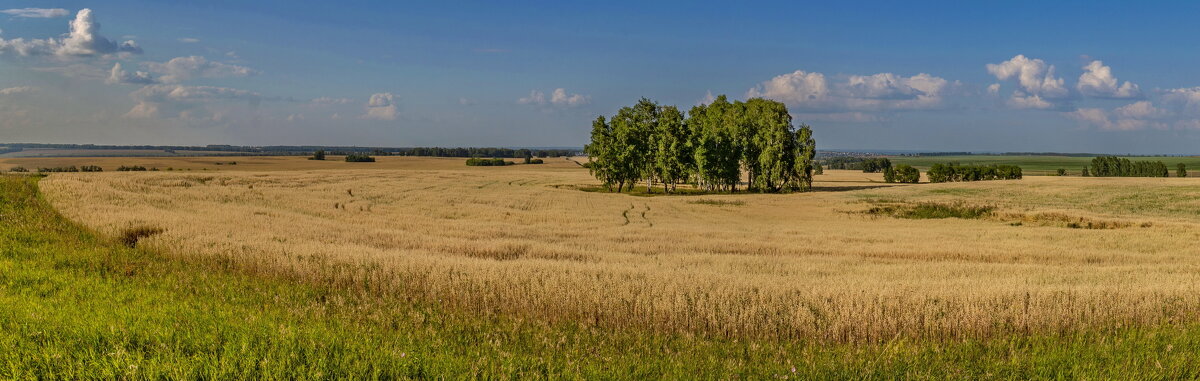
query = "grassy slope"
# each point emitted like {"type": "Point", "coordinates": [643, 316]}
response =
{"type": "Point", "coordinates": [1037, 164]}
{"type": "Point", "coordinates": [78, 306]}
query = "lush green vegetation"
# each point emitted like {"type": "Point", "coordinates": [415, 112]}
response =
{"type": "Point", "coordinates": [81, 306]}
{"type": "Point", "coordinates": [940, 173]}
{"type": "Point", "coordinates": [1112, 166]}
{"type": "Point", "coordinates": [1042, 165]}
{"type": "Point", "coordinates": [902, 173]}
{"type": "Point", "coordinates": [359, 158]}
{"type": "Point", "coordinates": [875, 164]}
{"type": "Point", "coordinates": [494, 162]}
{"type": "Point", "coordinates": [710, 148]}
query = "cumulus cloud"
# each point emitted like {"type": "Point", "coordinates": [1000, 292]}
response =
{"type": "Point", "coordinates": [180, 69]}
{"type": "Point", "coordinates": [558, 97]}
{"type": "Point", "coordinates": [118, 75]}
{"type": "Point", "coordinates": [37, 13]}
{"type": "Point", "coordinates": [1134, 116]}
{"type": "Point", "coordinates": [83, 40]}
{"type": "Point", "coordinates": [993, 89]}
{"type": "Point", "coordinates": [177, 101]}
{"type": "Point", "coordinates": [17, 90]}
{"type": "Point", "coordinates": [381, 106]}
{"type": "Point", "coordinates": [1098, 81]}
{"type": "Point", "coordinates": [811, 91]}
{"type": "Point", "coordinates": [1034, 101]}
{"type": "Point", "coordinates": [1034, 76]}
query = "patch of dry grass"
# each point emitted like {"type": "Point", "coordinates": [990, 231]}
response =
{"type": "Point", "coordinates": [508, 241]}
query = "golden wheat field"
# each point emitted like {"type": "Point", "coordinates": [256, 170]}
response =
{"type": "Point", "coordinates": [1060, 254]}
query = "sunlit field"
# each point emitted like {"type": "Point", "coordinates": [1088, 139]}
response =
{"type": "Point", "coordinates": [1056, 255]}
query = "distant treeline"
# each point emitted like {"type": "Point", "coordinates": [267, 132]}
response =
{"type": "Point", "coordinates": [4, 149]}
{"type": "Point", "coordinates": [940, 173]}
{"type": "Point", "coordinates": [1112, 166]}
{"type": "Point", "coordinates": [866, 164]}
{"type": "Point", "coordinates": [485, 152]}
{"type": "Point", "coordinates": [494, 162]}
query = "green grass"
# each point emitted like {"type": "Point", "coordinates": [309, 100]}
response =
{"type": "Point", "coordinates": [74, 305]}
{"type": "Point", "coordinates": [1036, 165]}
{"type": "Point", "coordinates": [931, 210]}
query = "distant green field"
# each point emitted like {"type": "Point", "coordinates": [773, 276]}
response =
{"type": "Point", "coordinates": [1040, 165]}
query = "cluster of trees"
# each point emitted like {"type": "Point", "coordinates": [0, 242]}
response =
{"type": "Point", "coordinates": [902, 173]}
{"type": "Point", "coordinates": [710, 147]}
{"type": "Point", "coordinates": [318, 155]}
{"type": "Point", "coordinates": [940, 173]}
{"type": "Point", "coordinates": [359, 158]}
{"type": "Point", "coordinates": [494, 162]}
{"type": "Point", "coordinates": [132, 168]}
{"type": "Point", "coordinates": [1112, 166]}
{"type": "Point", "coordinates": [1180, 170]}
{"type": "Point", "coordinates": [530, 160]}
{"type": "Point", "coordinates": [875, 164]}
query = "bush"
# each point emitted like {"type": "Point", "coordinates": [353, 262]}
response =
{"type": "Point", "coordinates": [319, 155]}
{"type": "Point", "coordinates": [494, 162]}
{"type": "Point", "coordinates": [902, 173]}
{"type": "Point", "coordinates": [1180, 170]}
{"type": "Point", "coordinates": [536, 161]}
{"type": "Point", "coordinates": [875, 165]}
{"type": "Point", "coordinates": [1062, 171]}
{"type": "Point", "coordinates": [130, 168]}
{"type": "Point", "coordinates": [18, 169]}
{"type": "Point", "coordinates": [359, 158]}
{"type": "Point", "coordinates": [59, 169]}
{"type": "Point", "coordinates": [91, 168]}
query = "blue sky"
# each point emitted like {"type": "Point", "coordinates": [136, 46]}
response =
{"type": "Point", "coordinates": [1088, 76]}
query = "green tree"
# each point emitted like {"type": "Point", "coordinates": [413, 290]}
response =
{"type": "Point", "coordinates": [715, 145]}
{"type": "Point", "coordinates": [805, 159]}
{"type": "Point", "coordinates": [674, 159]}
{"type": "Point", "coordinates": [1180, 170]}
{"type": "Point", "coordinates": [602, 154]}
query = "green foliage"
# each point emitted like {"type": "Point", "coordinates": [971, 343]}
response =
{"type": "Point", "coordinates": [875, 165]}
{"type": "Point", "coordinates": [71, 168]}
{"type": "Point", "coordinates": [1084, 172]}
{"type": "Point", "coordinates": [1180, 170]}
{"type": "Point", "coordinates": [359, 158]}
{"type": "Point", "coordinates": [494, 162]}
{"type": "Point", "coordinates": [18, 169]}
{"type": "Point", "coordinates": [319, 155]}
{"type": "Point", "coordinates": [940, 173]}
{"type": "Point", "coordinates": [710, 148]}
{"type": "Point", "coordinates": [536, 161]}
{"type": "Point", "coordinates": [1062, 171]}
{"type": "Point", "coordinates": [902, 173]}
{"type": "Point", "coordinates": [130, 168]}
{"type": "Point", "coordinates": [932, 210]}
{"type": "Point", "coordinates": [1112, 166]}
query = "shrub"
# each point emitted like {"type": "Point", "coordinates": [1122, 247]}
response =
{"type": "Point", "coordinates": [130, 168]}
{"type": "Point", "coordinates": [18, 169]}
{"type": "Point", "coordinates": [59, 169]}
{"type": "Point", "coordinates": [1180, 170]}
{"type": "Point", "coordinates": [1062, 171]}
{"type": "Point", "coordinates": [1084, 173]}
{"type": "Point", "coordinates": [359, 158]}
{"type": "Point", "coordinates": [536, 161]}
{"type": "Point", "coordinates": [902, 173]}
{"type": "Point", "coordinates": [494, 162]}
{"type": "Point", "coordinates": [91, 168]}
{"type": "Point", "coordinates": [875, 165]}
{"type": "Point", "coordinates": [319, 155]}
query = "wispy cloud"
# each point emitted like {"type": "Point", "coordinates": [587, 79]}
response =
{"type": "Point", "coordinates": [37, 13]}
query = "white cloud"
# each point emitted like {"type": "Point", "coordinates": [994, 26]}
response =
{"type": "Point", "coordinates": [466, 102]}
{"type": "Point", "coordinates": [993, 89]}
{"type": "Point", "coordinates": [381, 106]}
{"type": "Point", "coordinates": [180, 69]}
{"type": "Point", "coordinates": [1098, 81]}
{"type": "Point", "coordinates": [83, 40]}
{"type": "Point", "coordinates": [708, 98]}
{"type": "Point", "coordinates": [1021, 100]}
{"type": "Point", "coordinates": [177, 101]}
{"type": "Point", "coordinates": [118, 75]}
{"type": "Point", "coordinates": [814, 92]}
{"type": "Point", "coordinates": [1033, 75]}
{"type": "Point", "coordinates": [558, 97]}
{"type": "Point", "coordinates": [39, 13]}
{"type": "Point", "coordinates": [189, 40]}
{"type": "Point", "coordinates": [1134, 116]}
{"type": "Point", "coordinates": [17, 90]}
